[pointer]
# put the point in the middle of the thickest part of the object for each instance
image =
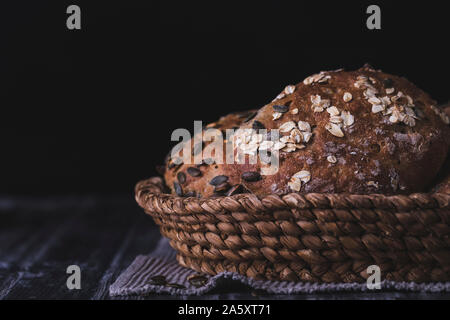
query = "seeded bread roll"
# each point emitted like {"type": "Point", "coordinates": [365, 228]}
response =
{"type": "Point", "coordinates": [357, 132]}
{"type": "Point", "coordinates": [193, 179]}
{"type": "Point", "coordinates": [443, 178]}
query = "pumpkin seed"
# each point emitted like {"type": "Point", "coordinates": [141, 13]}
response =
{"type": "Point", "coordinates": [223, 187]}
{"type": "Point", "coordinates": [194, 172]}
{"type": "Point", "coordinates": [217, 180]}
{"type": "Point", "coordinates": [178, 189]}
{"type": "Point", "coordinates": [258, 125]}
{"type": "Point", "coordinates": [251, 176]}
{"type": "Point", "coordinates": [181, 176]}
{"type": "Point", "coordinates": [197, 280]}
{"type": "Point", "coordinates": [282, 109]}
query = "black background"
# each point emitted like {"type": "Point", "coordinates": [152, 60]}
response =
{"type": "Point", "coordinates": [92, 110]}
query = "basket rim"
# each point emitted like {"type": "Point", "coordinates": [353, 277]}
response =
{"type": "Point", "coordinates": [149, 194]}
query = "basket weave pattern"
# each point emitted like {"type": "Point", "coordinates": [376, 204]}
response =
{"type": "Point", "coordinates": [306, 237]}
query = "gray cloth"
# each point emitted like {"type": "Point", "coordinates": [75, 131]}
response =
{"type": "Point", "coordinates": [136, 280]}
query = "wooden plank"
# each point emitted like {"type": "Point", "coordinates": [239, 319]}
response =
{"type": "Point", "coordinates": [98, 239]}
{"type": "Point", "coordinates": [22, 257]}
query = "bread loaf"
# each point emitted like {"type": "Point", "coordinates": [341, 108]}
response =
{"type": "Point", "coordinates": [359, 132]}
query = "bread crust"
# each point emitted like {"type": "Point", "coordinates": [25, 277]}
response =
{"type": "Point", "coordinates": [398, 150]}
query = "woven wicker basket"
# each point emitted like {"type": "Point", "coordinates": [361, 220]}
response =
{"type": "Point", "coordinates": [306, 237]}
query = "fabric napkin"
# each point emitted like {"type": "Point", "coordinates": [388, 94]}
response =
{"type": "Point", "coordinates": [137, 280]}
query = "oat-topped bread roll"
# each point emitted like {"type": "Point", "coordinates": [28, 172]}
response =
{"type": "Point", "coordinates": [358, 132]}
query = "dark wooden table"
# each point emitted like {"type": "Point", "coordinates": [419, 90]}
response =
{"type": "Point", "coordinates": [41, 237]}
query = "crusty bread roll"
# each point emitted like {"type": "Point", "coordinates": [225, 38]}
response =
{"type": "Point", "coordinates": [443, 178]}
{"type": "Point", "coordinates": [357, 132]}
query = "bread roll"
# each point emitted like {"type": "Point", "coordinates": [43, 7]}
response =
{"type": "Point", "coordinates": [358, 132]}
